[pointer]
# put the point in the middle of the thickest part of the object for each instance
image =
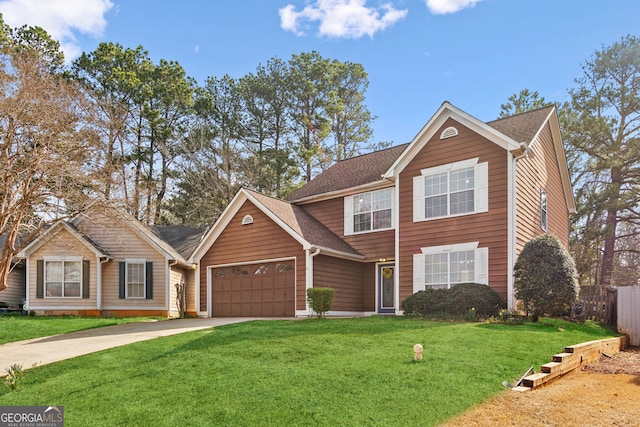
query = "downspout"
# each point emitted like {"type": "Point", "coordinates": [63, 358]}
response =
{"type": "Point", "coordinates": [309, 279]}
{"type": "Point", "coordinates": [513, 195]}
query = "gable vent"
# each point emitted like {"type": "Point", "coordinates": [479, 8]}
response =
{"type": "Point", "coordinates": [248, 219]}
{"type": "Point", "coordinates": [449, 132]}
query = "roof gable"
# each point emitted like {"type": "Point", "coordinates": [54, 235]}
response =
{"type": "Point", "coordinates": [294, 220]}
{"type": "Point", "coordinates": [445, 112]}
{"type": "Point", "coordinates": [136, 227]}
{"type": "Point", "coordinates": [379, 168]}
{"type": "Point", "coordinates": [56, 228]}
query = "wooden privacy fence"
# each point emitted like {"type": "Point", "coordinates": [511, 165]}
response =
{"type": "Point", "coordinates": [600, 306]}
{"type": "Point", "coordinates": [629, 313]}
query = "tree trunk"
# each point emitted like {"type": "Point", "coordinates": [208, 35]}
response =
{"type": "Point", "coordinates": [610, 229]}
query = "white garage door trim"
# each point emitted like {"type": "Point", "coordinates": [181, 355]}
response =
{"type": "Point", "coordinates": [210, 268]}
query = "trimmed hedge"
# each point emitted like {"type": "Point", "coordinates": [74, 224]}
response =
{"type": "Point", "coordinates": [462, 299]}
{"type": "Point", "coordinates": [320, 299]}
{"type": "Point", "coordinates": [545, 277]}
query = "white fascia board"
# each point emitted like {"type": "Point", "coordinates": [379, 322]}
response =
{"type": "Point", "coordinates": [275, 218]}
{"type": "Point", "coordinates": [221, 223]}
{"type": "Point", "coordinates": [228, 214]}
{"type": "Point", "coordinates": [382, 183]}
{"type": "Point", "coordinates": [446, 111]}
{"type": "Point", "coordinates": [55, 229]}
{"type": "Point", "coordinates": [338, 254]}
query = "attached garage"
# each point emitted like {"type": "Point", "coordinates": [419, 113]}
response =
{"type": "Point", "coordinates": [264, 289]}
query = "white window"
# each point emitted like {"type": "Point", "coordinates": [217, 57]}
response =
{"type": "Point", "coordinates": [136, 280]}
{"type": "Point", "coordinates": [444, 266]}
{"type": "Point", "coordinates": [63, 278]}
{"type": "Point", "coordinates": [451, 190]}
{"type": "Point", "coordinates": [543, 209]}
{"type": "Point", "coordinates": [367, 212]}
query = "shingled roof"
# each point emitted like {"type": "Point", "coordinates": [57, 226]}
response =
{"type": "Point", "coordinates": [522, 127]}
{"type": "Point", "coordinates": [302, 223]}
{"type": "Point", "coordinates": [350, 173]}
{"type": "Point", "coordinates": [183, 239]}
{"type": "Point", "coordinates": [369, 168]}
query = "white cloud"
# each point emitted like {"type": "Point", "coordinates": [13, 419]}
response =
{"type": "Point", "coordinates": [62, 19]}
{"type": "Point", "coordinates": [341, 18]}
{"type": "Point", "coordinates": [441, 7]}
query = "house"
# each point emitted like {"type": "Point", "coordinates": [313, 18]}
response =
{"type": "Point", "coordinates": [13, 295]}
{"type": "Point", "coordinates": [456, 204]}
{"type": "Point", "coordinates": [104, 262]}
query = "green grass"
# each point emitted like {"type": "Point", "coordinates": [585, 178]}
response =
{"type": "Point", "coordinates": [18, 328]}
{"type": "Point", "coordinates": [310, 372]}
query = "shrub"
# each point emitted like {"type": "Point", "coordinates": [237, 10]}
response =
{"type": "Point", "coordinates": [14, 376]}
{"type": "Point", "coordinates": [424, 303]}
{"type": "Point", "coordinates": [320, 299]}
{"type": "Point", "coordinates": [545, 277]}
{"type": "Point", "coordinates": [468, 300]}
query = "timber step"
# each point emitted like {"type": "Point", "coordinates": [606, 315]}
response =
{"type": "Point", "coordinates": [572, 358]}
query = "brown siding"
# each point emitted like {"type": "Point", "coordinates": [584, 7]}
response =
{"type": "Point", "coordinates": [345, 277]}
{"type": "Point", "coordinates": [374, 245]}
{"type": "Point", "coordinates": [540, 169]}
{"type": "Point", "coordinates": [262, 240]}
{"type": "Point", "coordinates": [369, 280]}
{"type": "Point", "coordinates": [489, 229]}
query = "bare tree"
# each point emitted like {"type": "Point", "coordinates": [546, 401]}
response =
{"type": "Point", "coordinates": [43, 150]}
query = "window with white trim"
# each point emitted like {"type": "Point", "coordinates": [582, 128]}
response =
{"type": "Point", "coordinates": [366, 212]}
{"type": "Point", "coordinates": [454, 189]}
{"type": "Point", "coordinates": [440, 267]}
{"type": "Point", "coordinates": [136, 280]}
{"type": "Point", "coordinates": [543, 209]}
{"type": "Point", "coordinates": [63, 278]}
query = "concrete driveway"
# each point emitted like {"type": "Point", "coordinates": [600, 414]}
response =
{"type": "Point", "coordinates": [42, 351]}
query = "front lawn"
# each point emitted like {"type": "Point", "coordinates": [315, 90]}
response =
{"type": "Point", "coordinates": [18, 328]}
{"type": "Point", "coordinates": [308, 372]}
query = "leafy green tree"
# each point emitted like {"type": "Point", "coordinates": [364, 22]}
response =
{"type": "Point", "coordinates": [34, 40]}
{"type": "Point", "coordinates": [112, 81]}
{"type": "Point", "coordinates": [266, 125]}
{"type": "Point", "coordinates": [213, 161]}
{"type": "Point", "coordinates": [168, 112]}
{"type": "Point", "coordinates": [545, 277]}
{"type": "Point", "coordinates": [522, 102]}
{"type": "Point", "coordinates": [605, 139]}
{"type": "Point", "coordinates": [309, 95]}
{"type": "Point", "coordinates": [350, 118]}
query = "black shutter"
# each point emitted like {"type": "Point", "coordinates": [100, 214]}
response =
{"type": "Point", "coordinates": [121, 293]}
{"type": "Point", "coordinates": [86, 277]}
{"type": "Point", "coordinates": [149, 282]}
{"type": "Point", "coordinates": [40, 278]}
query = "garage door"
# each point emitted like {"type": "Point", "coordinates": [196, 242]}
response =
{"type": "Point", "coordinates": [256, 290]}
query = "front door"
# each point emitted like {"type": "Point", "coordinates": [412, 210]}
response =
{"type": "Point", "coordinates": [386, 288]}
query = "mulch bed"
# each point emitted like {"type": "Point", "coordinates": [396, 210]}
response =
{"type": "Point", "coordinates": [625, 362]}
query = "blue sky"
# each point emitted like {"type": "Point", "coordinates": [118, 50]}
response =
{"type": "Point", "coordinates": [418, 53]}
